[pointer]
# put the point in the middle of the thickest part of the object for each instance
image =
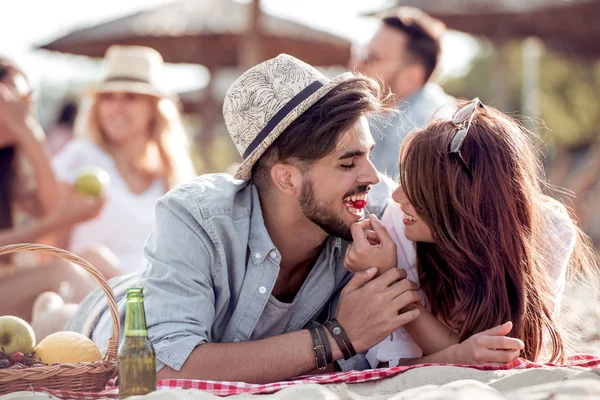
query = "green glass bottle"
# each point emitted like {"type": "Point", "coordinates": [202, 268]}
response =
{"type": "Point", "coordinates": [137, 359]}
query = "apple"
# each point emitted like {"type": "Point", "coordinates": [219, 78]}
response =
{"type": "Point", "coordinates": [16, 336]}
{"type": "Point", "coordinates": [92, 181]}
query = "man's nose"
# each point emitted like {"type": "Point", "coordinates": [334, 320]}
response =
{"type": "Point", "coordinates": [370, 176]}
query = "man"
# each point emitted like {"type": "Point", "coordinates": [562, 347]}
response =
{"type": "Point", "coordinates": [239, 269]}
{"type": "Point", "coordinates": [404, 54]}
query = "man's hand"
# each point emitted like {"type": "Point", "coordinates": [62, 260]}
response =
{"type": "Point", "coordinates": [369, 308]}
{"type": "Point", "coordinates": [370, 248]}
{"type": "Point", "coordinates": [489, 347]}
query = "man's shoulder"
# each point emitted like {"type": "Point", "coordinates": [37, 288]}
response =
{"type": "Point", "coordinates": [212, 195]}
{"type": "Point", "coordinates": [434, 103]}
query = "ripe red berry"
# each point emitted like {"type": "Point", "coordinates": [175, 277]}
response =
{"type": "Point", "coordinates": [17, 357]}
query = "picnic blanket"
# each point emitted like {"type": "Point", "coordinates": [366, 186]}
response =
{"type": "Point", "coordinates": [517, 374]}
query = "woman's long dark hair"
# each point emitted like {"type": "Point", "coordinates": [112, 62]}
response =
{"type": "Point", "coordinates": [7, 161]}
{"type": "Point", "coordinates": [486, 265]}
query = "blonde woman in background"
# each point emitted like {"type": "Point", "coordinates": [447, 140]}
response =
{"type": "Point", "coordinates": [130, 129]}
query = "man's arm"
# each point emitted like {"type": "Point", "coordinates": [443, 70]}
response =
{"type": "Point", "coordinates": [181, 307]}
{"type": "Point", "coordinates": [289, 355]}
{"type": "Point", "coordinates": [261, 361]}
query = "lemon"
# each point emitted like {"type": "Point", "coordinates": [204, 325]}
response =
{"type": "Point", "coordinates": [67, 347]}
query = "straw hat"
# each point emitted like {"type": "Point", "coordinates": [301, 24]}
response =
{"type": "Point", "coordinates": [134, 69]}
{"type": "Point", "coordinates": [266, 99]}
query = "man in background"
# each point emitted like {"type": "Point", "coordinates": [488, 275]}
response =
{"type": "Point", "coordinates": [404, 54]}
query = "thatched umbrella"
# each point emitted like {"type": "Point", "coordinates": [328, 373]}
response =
{"type": "Point", "coordinates": [208, 32]}
{"type": "Point", "coordinates": [214, 33]}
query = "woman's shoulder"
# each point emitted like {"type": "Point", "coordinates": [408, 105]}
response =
{"type": "Point", "coordinates": [81, 146]}
{"type": "Point", "coordinates": [76, 154]}
{"type": "Point", "coordinates": [558, 238]}
{"type": "Point", "coordinates": [556, 216]}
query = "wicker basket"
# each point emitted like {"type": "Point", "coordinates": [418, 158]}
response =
{"type": "Point", "coordinates": [79, 377]}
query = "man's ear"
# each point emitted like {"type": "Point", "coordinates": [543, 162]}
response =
{"type": "Point", "coordinates": [286, 178]}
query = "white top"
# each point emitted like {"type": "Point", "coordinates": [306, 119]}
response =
{"type": "Point", "coordinates": [561, 237]}
{"type": "Point", "coordinates": [126, 218]}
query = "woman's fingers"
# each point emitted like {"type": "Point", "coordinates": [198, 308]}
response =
{"type": "Point", "coordinates": [501, 342]}
{"type": "Point", "coordinates": [489, 356]}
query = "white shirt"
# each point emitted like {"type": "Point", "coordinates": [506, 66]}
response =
{"type": "Point", "coordinates": [560, 237]}
{"type": "Point", "coordinates": [126, 218]}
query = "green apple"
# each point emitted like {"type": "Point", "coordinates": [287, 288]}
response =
{"type": "Point", "coordinates": [16, 335]}
{"type": "Point", "coordinates": [92, 181]}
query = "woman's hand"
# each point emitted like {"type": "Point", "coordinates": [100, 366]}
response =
{"type": "Point", "coordinates": [371, 248]}
{"type": "Point", "coordinates": [489, 347]}
{"type": "Point", "coordinates": [74, 207]}
{"type": "Point", "coordinates": [17, 118]}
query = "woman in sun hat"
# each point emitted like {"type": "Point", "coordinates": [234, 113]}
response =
{"type": "Point", "coordinates": [133, 131]}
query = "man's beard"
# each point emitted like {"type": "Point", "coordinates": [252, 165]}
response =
{"type": "Point", "coordinates": [321, 215]}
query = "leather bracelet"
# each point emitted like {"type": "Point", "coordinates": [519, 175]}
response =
{"type": "Point", "coordinates": [320, 355]}
{"type": "Point", "coordinates": [325, 340]}
{"type": "Point", "coordinates": [341, 338]}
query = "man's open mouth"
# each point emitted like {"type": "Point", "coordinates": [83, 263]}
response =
{"type": "Point", "coordinates": [356, 204]}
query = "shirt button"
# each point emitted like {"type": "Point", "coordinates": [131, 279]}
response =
{"type": "Point", "coordinates": [258, 255]}
{"type": "Point", "coordinates": [262, 290]}
{"type": "Point", "coordinates": [273, 255]}
{"type": "Point", "coordinates": [236, 340]}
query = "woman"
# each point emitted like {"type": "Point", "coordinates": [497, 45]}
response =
{"type": "Point", "coordinates": [32, 204]}
{"type": "Point", "coordinates": [489, 246]}
{"type": "Point", "coordinates": [133, 131]}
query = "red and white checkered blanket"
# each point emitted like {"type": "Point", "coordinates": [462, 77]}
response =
{"type": "Point", "coordinates": [231, 388]}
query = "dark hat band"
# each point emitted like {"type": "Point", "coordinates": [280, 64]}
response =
{"type": "Point", "coordinates": [125, 79]}
{"type": "Point", "coordinates": [281, 114]}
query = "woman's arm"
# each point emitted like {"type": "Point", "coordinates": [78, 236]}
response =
{"type": "Point", "coordinates": [429, 333]}
{"type": "Point", "coordinates": [31, 233]}
{"type": "Point", "coordinates": [17, 118]}
{"type": "Point", "coordinates": [32, 146]}
{"type": "Point", "coordinates": [376, 248]}
{"type": "Point", "coordinates": [72, 208]}
{"type": "Point", "coordinates": [488, 347]}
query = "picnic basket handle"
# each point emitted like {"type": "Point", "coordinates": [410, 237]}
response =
{"type": "Point", "coordinates": [113, 342]}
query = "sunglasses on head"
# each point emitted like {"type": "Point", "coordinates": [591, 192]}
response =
{"type": "Point", "coordinates": [462, 118]}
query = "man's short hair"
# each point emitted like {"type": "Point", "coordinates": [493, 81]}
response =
{"type": "Point", "coordinates": [423, 33]}
{"type": "Point", "coordinates": [316, 133]}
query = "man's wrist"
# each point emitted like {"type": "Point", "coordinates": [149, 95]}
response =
{"type": "Point", "coordinates": [336, 352]}
{"type": "Point", "coordinates": [341, 338]}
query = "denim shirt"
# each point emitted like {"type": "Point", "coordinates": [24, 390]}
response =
{"type": "Point", "coordinates": [211, 268]}
{"type": "Point", "coordinates": [415, 111]}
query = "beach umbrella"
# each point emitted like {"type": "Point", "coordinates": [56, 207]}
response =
{"type": "Point", "coordinates": [214, 33]}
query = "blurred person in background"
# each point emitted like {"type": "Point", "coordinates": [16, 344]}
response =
{"type": "Point", "coordinates": [404, 55]}
{"type": "Point", "coordinates": [130, 129]}
{"type": "Point", "coordinates": [32, 203]}
{"type": "Point", "coordinates": [62, 131]}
